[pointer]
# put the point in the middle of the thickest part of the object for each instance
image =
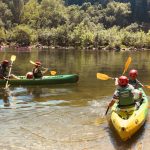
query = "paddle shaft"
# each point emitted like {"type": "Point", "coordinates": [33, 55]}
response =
{"type": "Point", "coordinates": [13, 58]}
{"type": "Point", "coordinates": [8, 75]}
{"type": "Point", "coordinates": [127, 65]}
{"type": "Point", "coordinates": [107, 111]}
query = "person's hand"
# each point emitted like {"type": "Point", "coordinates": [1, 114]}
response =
{"type": "Point", "coordinates": [111, 103]}
{"type": "Point", "coordinates": [5, 78]}
{"type": "Point", "coordinates": [116, 81]}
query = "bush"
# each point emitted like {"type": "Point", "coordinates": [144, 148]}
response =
{"type": "Point", "coordinates": [23, 35]}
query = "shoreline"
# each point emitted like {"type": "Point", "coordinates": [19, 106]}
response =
{"type": "Point", "coordinates": [100, 48]}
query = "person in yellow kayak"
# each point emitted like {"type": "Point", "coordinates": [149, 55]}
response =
{"type": "Point", "coordinates": [133, 79]}
{"type": "Point", "coordinates": [124, 94]}
{"type": "Point", "coordinates": [37, 70]}
{"type": "Point", "coordinates": [4, 69]}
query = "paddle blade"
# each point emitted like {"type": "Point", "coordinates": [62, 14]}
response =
{"type": "Point", "coordinates": [13, 58]}
{"type": "Point", "coordinates": [32, 62]}
{"type": "Point", "coordinates": [127, 65]}
{"type": "Point", "coordinates": [53, 73]}
{"type": "Point", "coordinates": [147, 86]}
{"type": "Point", "coordinates": [102, 76]}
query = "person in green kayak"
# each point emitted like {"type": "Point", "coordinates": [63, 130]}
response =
{"type": "Point", "coordinates": [37, 70]}
{"type": "Point", "coordinates": [4, 66]}
{"type": "Point", "coordinates": [133, 79]}
{"type": "Point", "coordinates": [4, 69]}
{"type": "Point", "coordinates": [124, 94]}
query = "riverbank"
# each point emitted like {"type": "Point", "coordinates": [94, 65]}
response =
{"type": "Point", "coordinates": [40, 47]}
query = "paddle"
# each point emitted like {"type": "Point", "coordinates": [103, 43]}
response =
{"type": "Point", "coordinates": [103, 76]}
{"type": "Point", "coordinates": [127, 65]}
{"type": "Point", "coordinates": [51, 72]}
{"type": "Point", "coordinates": [13, 58]}
{"type": "Point", "coordinates": [147, 86]}
{"type": "Point", "coordinates": [107, 110]}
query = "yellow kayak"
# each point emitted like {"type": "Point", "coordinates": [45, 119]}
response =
{"type": "Point", "coordinates": [126, 123]}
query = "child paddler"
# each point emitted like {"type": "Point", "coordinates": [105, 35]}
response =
{"type": "Point", "coordinates": [124, 94]}
{"type": "Point", "coordinates": [133, 79]}
{"type": "Point", "coordinates": [37, 70]}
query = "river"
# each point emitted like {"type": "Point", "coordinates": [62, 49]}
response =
{"type": "Point", "coordinates": [69, 116]}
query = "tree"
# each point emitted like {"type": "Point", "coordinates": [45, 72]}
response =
{"type": "Point", "coordinates": [117, 14]}
{"type": "Point", "coordinates": [30, 13]}
{"type": "Point", "coordinates": [2, 35]}
{"type": "Point", "coordinates": [23, 35]}
{"type": "Point", "coordinates": [17, 7]}
{"type": "Point", "coordinates": [5, 15]}
{"type": "Point", "coordinates": [52, 13]}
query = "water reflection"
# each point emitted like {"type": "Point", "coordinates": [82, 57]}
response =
{"type": "Point", "coordinates": [4, 96]}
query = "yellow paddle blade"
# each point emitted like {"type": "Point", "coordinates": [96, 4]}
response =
{"type": "Point", "coordinates": [32, 62]}
{"type": "Point", "coordinates": [53, 73]}
{"type": "Point", "coordinates": [127, 65]}
{"type": "Point", "coordinates": [13, 58]}
{"type": "Point", "coordinates": [148, 86]}
{"type": "Point", "coordinates": [102, 76]}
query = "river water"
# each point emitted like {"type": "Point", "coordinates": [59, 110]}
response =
{"type": "Point", "coordinates": [69, 116]}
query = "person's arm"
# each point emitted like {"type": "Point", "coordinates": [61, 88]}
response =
{"type": "Point", "coordinates": [114, 99]}
{"type": "Point", "coordinates": [45, 70]}
{"type": "Point", "coordinates": [112, 102]}
{"type": "Point", "coordinates": [139, 83]}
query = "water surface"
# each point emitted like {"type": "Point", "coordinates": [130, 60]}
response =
{"type": "Point", "coordinates": [69, 116]}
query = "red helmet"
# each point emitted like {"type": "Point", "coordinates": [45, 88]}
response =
{"type": "Point", "coordinates": [38, 64]}
{"type": "Point", "coordinates": [133, 74]}
{"type": "Point", "coordinates": [123, 81]}
{"type": "Point", "coordinates": [29, 75]}
{"type": "Point", "coordinates": [5, 62]}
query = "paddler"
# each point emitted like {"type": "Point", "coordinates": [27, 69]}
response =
{"type": "Point", "coordinates": [37, 70]}
{"type": "Point", "coordinates": [4, 69]}
{"type": "Point", "coordinates": [124, 94]}
{"type": "Point", "coordinates": [133, 79]}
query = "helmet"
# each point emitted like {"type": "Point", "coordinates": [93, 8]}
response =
{"type": "Point", "coordinates": [5, 62]}
{"type": "Point", "coordinates": [38, 64]}
{"type": "Point", "coordinates": [123, 81]}
{"type": "Point", "coordinates": [133, 74]}
{"type": "Point", "coordinates": [29, 75]}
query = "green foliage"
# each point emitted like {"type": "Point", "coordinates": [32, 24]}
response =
{"type": "Point", "coordinates": [92, 23]}
{"type": "Point", "coordinates": [5, 15]}
{"type": "Point", "coordinates": [2, 35]}
{"type": "Point", "coordinates": [23, 35]}
{"type": "Point", "coordinates": [117, 14]}
{"type": "Point", "coordinates": [52, 14]}
{"type": "Point", "coordinates": [30, 14]}
{"type": "Point", "coordinates": [45, 37]}
{"type": "Point", "coordinates": [17, 7]}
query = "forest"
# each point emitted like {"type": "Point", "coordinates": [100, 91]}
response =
{"type": "Point", "coordinates": [76, 23]}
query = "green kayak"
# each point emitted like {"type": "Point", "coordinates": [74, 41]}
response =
{"type": "Point", "coordinates": [46, 80]}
